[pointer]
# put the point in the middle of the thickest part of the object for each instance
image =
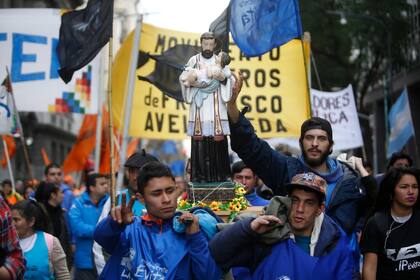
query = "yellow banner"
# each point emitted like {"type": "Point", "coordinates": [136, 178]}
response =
{"type": "Point", "coordinates": [275, 88]}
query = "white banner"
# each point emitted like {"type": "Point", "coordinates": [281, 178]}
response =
{"type": "Point", "coordinates": [28, 39]}
{"type": "Point", "coordinates": [340, 110]}
{"type": "Point", "coordinates": [7, 114]}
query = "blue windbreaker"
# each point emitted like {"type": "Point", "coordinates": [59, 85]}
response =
{"type": "Point", "coordinates": [238, 245]}
{"type": "Point", "coordinates": [83, 218]}
{"type": "Point", "coordinates": [144, 249]}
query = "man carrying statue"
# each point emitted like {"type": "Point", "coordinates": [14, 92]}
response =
{"type": "Point", "coordinates": [206, 84]}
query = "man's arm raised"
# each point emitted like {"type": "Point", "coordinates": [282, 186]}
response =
{"type": "Point", "coordinates": [267, 163]}
{"type": "Point", "coordinates": [232, 107]}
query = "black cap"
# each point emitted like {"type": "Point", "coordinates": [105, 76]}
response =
{"type": "Point", "coordinates": [138, 159]}
{"type": "Point", "coordinates": [316, 123]}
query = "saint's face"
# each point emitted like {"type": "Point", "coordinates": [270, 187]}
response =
{"type": "Point", "coordinates": [207, 47]}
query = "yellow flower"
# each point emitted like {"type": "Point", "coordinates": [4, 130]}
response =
{"type": "Point", "coordinates": [240, 191]}
{"type": "Point", "coordinates": [214, 205]}
{"type": "Point", "coordinates": [201, 204]}
{"type": "Point", "coordinates": [237, 208]}
{"type": "Point", "coordinates": [182, 203]}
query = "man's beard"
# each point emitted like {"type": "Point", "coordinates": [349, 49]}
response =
{"type": "Point", "coordinates": [207, 53]}
{"type": "Point", "coordinates": [318, 161]}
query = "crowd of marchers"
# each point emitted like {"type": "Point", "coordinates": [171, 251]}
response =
{"type": "Point", "coordinates": [323, 219]}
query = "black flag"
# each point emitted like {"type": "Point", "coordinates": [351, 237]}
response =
{"type": "Point", "coordinates": [83, 33]}
{"type": "Point", "coordinates": [220, 28]}
{"type": "Point", "coordinates": [168, 68]}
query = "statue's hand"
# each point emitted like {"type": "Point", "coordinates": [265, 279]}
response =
{"type": "Point", "coordinates": [218, 75]}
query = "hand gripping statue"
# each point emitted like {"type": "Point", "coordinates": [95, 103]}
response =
{"type": "Point", "coordinates": [206, 85]}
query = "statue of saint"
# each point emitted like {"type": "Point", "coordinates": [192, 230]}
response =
{"type": "Point", "coordinates": [206, 84]}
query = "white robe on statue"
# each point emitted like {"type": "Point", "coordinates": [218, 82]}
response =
{"type": "Point", "coordinates": [208, 112]}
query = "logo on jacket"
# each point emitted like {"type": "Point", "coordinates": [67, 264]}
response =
{"type": "Point", "coordinates": [284, 277]}
{"type": "Point", "coordinates": [404, 253]}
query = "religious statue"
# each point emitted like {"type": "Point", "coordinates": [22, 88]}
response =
{"type": "Point", "coordinates": [206, 84]}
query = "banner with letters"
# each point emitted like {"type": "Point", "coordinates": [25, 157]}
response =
{"type": "Point", "coordinates": [275, 88]}
{"type": "Point", "coordinates": [28, 39]}
{"type": "Point", "coordinates": [340, 110]}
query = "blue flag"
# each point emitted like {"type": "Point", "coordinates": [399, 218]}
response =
{"type": "Point", "coordinates": [400, 123]}
{"type": "Point", "coordinates": [257, 26]}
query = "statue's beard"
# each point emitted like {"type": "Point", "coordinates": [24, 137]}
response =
{"type": "Point", "coordinates": [207, 53]}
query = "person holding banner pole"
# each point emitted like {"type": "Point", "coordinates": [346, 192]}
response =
{"type": "Point", "coordinates": [348, 197]}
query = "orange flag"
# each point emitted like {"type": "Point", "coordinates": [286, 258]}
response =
{"type": "Point", "coordinates": [84, 146]}
{"type": "Point", "coordinates": [132, 146]}
{"type": "Point", "coordinates": [105, 164]}
{"type": "Point", "coordinates": [11, 148]}
{"type": "Point", "coordinates": [45, 157]}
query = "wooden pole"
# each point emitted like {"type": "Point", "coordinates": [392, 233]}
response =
{"type": "Point", "coordinates": [129, 100]}
{"type": "Point", "coordinates": [20, 128]}
{"type": "Point", "coordinates": [9, 164]}
{"type": "Point", "coordinates": [111, 126]}
{"type": "Point", "coordinates": [307, 39]}
{"type": "Point", "coordinates": [100, 113]}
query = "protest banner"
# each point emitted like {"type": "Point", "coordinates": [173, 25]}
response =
{"type": "Point", "coordinates": [28, 40]}
{"type": "Point", "coordinates": [340, 110]}
{"type": "Point", "coordinates": [275, 88]}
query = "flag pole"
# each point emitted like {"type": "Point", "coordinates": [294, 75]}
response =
{"type": "Point", "coordinates": [20, 128]}
{"type": "Point", "coordinates": [129, 100]}
{"type": "Point", "coordinates": [9, 164]}
{"type": "Point", "coordinates": [307, 39]}
{"type": "Point", "coordinates": [99, 115]}
{"type": "Point", "coordinates": [111, 125]}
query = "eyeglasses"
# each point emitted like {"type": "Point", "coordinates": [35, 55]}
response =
{"type": "Point", "coordinates": [54, 174]}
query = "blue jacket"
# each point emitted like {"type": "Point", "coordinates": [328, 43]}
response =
{"type": "Point", "coordinates": [238, 245]}
{"type": "Point", "coordinates": [145, 248]}
{"type": "Point", "coordinates": [348, 201]}
{"type": "Point", "coordinates": [68, 197]}
{"type": "Point", "coordinates": [255, 200]}
{"type": "Point", "coordinates": [66, 204]}
{"type": "Point", "coordinates": [83, 218]}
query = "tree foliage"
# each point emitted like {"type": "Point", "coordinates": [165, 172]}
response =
{"type": "Point", "coordinates": [355, 52]}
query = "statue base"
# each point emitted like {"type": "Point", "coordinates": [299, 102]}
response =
{"type": "Point", "coordinates": [208, 192]}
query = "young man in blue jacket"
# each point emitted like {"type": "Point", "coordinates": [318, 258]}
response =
{"type": "Point", "coordinates": [316, 248]}
{"type": "Point", "coordinates": [84, 215]}
{"type": "Point", "coordinates": [132, 165]}
{"type": "Point", "coordinates": [148, 247]}
{"type": "Point", "coordinates": [244, 175]}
